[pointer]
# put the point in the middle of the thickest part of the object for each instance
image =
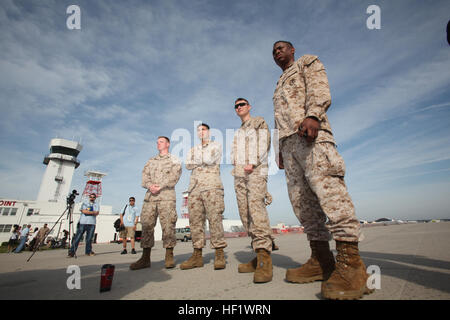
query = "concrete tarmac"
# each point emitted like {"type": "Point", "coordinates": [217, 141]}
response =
{"type": "Point", "coordinates": [414, 261]}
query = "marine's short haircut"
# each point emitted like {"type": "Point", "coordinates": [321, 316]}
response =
{"type": "Point", "coordinates": [203, 125]}
{"type": "Point", "coordinates": [239, 99]}
{"type": "Point", "coordinates": [164, 137]}
{"type": "Point", "coordinates": [284, 41]}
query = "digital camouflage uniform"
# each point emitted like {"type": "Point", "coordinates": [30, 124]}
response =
{"type": "Point", "coordinates": [314, 172]}
{"type": "Point", "coordinates": [250, 146]}
{"type": "Point", "coordinates": [206, 195]}
{"type": "Point", "coordinates": [164, 171]}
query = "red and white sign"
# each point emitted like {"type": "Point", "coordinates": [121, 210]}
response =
{"type": "Point", "coordinates": [7, 203]}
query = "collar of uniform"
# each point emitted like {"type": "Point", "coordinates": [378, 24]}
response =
{"type": "Point", "coordinates": [206, 144]}
{"type": "Point", "coordinates": [164, 156]}
{"type": "Point", "coordinates": [246, 122]}
{"type": "Point", "coordinates": [287, 69]}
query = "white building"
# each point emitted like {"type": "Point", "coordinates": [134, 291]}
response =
{"type": "Point", "coordinates": [51, 204]}
{"type": "Point", "coordinates": [61, 163]}
{"type": "Point", "coordinates": [37, 213]}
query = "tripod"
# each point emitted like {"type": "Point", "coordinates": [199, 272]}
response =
{"type": "Point", "coordinates": [69, 210]}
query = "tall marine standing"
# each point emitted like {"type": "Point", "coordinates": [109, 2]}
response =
{"type": "Point", "coordinates": [315, 176]}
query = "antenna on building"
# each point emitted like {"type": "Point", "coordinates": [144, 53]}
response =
{"type": "Point", "coordinates": [93, 184]}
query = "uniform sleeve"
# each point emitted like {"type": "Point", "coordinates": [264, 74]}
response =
{"type": "Point", "coordinates": [318, 98]}
{"type": "Point", "coordinates": [146, 176]}
{"type": "Point", "coordinates": [262, 144]}
{"type": "Point", "coordinates": [190, 163]}
{"type": "Point", "coordinates": [233, 151]}
{"type": "Point", "coordinates": [240, 147]}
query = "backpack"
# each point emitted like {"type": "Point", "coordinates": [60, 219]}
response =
{"type": "Point", "coordinates": [117, 225]}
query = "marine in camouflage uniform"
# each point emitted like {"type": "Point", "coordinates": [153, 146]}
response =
{"type": "Point", "coordinates": [315, 176]}
{"type": "Point", "coordinates": [251, 145]}
{"type": "Point", "coordinates": [206, 199]}
{"type": "Point", "coordinates": [159, 176]}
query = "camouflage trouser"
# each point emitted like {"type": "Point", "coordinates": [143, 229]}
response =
{"type": "Point", "coordinates": [167, 217]}
{"type": "Point", "coordinates": [207, 205]}
{"type": "Point", "coordinates": [315, 179]}
{"type": "Point", "coordinates": [250, 196]}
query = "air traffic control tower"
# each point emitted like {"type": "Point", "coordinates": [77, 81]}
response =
{"type": "Point", "coordinates": [61, 163]}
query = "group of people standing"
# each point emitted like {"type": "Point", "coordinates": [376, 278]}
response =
{"type": "Point", "coordinates": [315, 180]}
{"type": "Point", "coordinates": [24, 236]}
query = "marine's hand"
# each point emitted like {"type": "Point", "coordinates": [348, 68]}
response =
{"type": "Point", "coordinates": [154, 189]}
{"type": "Point", "coordinates": [248, 168]}
{"type": "Point", "coordinates": [310, 129]}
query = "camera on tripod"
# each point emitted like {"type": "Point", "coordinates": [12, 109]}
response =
{"type": "Point", "coordinates": [56, 244]}
{"type": "Point", "coordinates": [71, 197]}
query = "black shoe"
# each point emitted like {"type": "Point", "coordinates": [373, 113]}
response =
{"type": "Point", "coordinates": [274, 246]}
{"type": "Point", "coordinates": [70, 255]}
{"type": "Point", "coordinates": [124, 251]}
{"type": "Point", "coordinates": [133, 251]}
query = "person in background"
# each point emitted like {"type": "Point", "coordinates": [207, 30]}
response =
{"type": "Point", "coordinates": [23, 238]}
{"type": "Point", "coordinates": [31, 242]}
{"type": "Point", "coordinates": [14, 237]}
{"type": "Point", "coordinates": [41, 235]}
{"type": "Point", "coordinates": [128, 219]}
{"type": "Point", "coordinates": [89, 212]}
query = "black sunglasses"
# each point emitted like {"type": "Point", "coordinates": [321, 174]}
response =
{"type": "Point", "coordinates": [242, 104]}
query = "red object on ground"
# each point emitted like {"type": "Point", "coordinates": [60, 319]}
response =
{"type": "Point", "coordinates": [106, 277]}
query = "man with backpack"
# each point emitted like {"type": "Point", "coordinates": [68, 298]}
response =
{"type": "Point", "coordinates": [128, 220]}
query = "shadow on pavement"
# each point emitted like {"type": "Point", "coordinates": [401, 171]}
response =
{"type": "Point", "coordinates": [52, 284]}
{"type": "Point", "coordinates": [278, 260]}
{"type": "Point", "coordinates": [394, 265]}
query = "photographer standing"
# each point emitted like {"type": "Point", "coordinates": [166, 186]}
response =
{"type": "Point", "coordinates": [89, 212]}
{"type": "Point", "coordinates": [128, 219]}
{"type": "Point", "coordinates": [23, 238]}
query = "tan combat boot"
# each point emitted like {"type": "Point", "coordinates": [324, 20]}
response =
{"type": "Point", "coordinates": [195, 261]}
{"type": "Point", "coordinates": [318, 268]}
{"type": "Point", "coordinates": [169, 262]}
{"type": "Point", "coordinates": [219, 259]}
{"type": "Point", "coordinates": [348, 280]}
{"type": "Point", "coordinates": [263, 272]}
{"type": "Point", "coordinates": [143, 262]}
{"type": "Point", "coordinates": [248, 267]}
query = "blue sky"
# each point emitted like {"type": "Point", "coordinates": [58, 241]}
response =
{"type": "Point", "coordinates": [140, 69]}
